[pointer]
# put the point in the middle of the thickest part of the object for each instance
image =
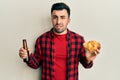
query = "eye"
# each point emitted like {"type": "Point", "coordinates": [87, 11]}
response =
{"type": "Point", "coordinates": [54, 17]}
{"type": "Point", "coordinates": [62, 17]}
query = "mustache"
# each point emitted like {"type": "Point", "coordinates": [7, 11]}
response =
{"type": "Point", "coordinates": [59, 24]}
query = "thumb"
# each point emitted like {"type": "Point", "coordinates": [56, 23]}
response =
{"type": "Point", "coordinates": [29, 50]}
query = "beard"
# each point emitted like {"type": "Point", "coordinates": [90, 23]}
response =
{"type": "Point", "coordinates": [59, 30]}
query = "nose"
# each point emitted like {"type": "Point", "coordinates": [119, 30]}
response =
{"type": "Point", "coordinates": [58, 21]}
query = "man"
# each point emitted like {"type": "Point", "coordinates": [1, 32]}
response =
{"type": "Point", "coordinates": [59, 50]}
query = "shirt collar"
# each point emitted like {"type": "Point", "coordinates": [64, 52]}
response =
{"type": "Point", "coordinates": [68, 33]}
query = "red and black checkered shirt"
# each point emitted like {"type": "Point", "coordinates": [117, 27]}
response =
{"type": "Point", "coordinates": [44, 55]}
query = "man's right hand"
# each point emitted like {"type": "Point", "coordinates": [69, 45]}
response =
{"type": "Point", "coordinates": [23, 53]}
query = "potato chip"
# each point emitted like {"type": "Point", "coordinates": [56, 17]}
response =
{"type": "Point", "coordinates": [92, 45]}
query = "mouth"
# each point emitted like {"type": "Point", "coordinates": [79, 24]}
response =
{"type": "Point", "coordinates": [58, 26]}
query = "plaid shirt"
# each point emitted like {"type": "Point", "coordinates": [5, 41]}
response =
{"type": "Point", "coordinates": [44, 55]}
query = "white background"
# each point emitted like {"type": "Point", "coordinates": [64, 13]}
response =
{"type": "Point", "coordinates": [94, 19]}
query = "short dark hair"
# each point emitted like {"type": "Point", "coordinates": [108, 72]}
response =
{"type": "Point", "coordinates": [60, 6]}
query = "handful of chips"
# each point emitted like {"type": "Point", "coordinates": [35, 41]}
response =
{"type": "Point", "coordinates": [92, 45]}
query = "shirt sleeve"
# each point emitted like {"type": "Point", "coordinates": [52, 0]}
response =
{"type": "Point", "coordinates": [35, 58]}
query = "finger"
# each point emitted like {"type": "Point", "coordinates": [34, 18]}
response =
{"type": "Point", "coordinates": [22, 50]}
{"type": "Point", "coordinates": [30, 51]}
{"type": "Point", "coordinates": [23, 55]}
{"type": "Point", "coordinates": [93, 53]}
{"type": "Point", "coordinates": [99, 48]}
{"type": "Point", "coordinates": [97, 51]}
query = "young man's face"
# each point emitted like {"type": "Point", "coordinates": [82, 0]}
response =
{"type": "Point", "coordinates": [60, 20]}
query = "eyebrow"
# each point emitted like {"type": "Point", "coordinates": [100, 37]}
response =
{"type": "Point", "coordinates": [57, 16]}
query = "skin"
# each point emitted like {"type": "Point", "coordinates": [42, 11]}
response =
{"type": "Point", "coordinates": [60, 20]}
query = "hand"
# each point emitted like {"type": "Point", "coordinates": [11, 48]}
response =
{"type": "Point", "coordinates": [23, 53]}
{"type": "Point", "coordinates": [91, 55]}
